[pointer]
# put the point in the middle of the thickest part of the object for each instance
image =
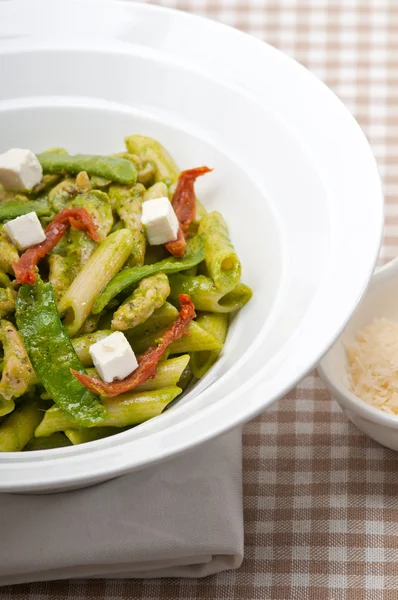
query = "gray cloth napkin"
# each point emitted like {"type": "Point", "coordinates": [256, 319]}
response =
{"type": "Point", "coordinates": [182, 518]}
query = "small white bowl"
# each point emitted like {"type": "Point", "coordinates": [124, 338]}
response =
{"type": "Point", "coordinates": [381, 300]}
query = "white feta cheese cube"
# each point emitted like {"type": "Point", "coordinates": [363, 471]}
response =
{"type": "Point", "coordinates": [160, 221]}
{"type": "Point", "coordinates": [113, 357]}
{"type": "Point", "coordinates": [25, 231]}
{"type": "Point", "coordinates": [19, 169]}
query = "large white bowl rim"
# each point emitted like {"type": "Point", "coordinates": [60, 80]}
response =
{"type": "Point", "coordinates": [338, 148]}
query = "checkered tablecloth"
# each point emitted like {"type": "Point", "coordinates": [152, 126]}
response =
{"type": "Point", "coordinates": [321, 500]}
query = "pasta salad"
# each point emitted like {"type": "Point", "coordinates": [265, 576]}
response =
{"type": "Point", "coordinates": [116, 288]}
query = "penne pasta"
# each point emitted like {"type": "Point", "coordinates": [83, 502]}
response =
{"type": "Point", "coordinates": [18, 428]}
{"type": "Point", "coordinates": [8, 253]}
{"type": "Point", "coordinates": [149, 149]}
{"type": "Point", "coordinates": [56, 440]}
{"type": "Point", "coordinates": [196, 339]}
{"type": "Point", "coordinates": [107, 260]}
{"type": "Point", "coordinates": [206, 296]}
{"type": "Point", "coordinates": [125, 410]}
{"type": "Point", "coordinates": [8, 297]}
{"type": "Point", "coordinates": [94, 275]}
{"type": "Point", "coordinates": [84, 434]}
{"type": "Point", "coordinates": [217, 325]}
{"type": "Point", "coordinates": [221, 260]}
{"type": "Point", "coordinates": [128, 205]}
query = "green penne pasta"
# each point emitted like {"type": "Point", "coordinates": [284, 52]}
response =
{"type": "Point", "coordinates": [206, 296]}
{"type": "Point", "coordinates": [150, 294]}
{"type": "Point", "coordinates": [90, 325]}
{"type": "Point", "coordinates": [83, 343]}
{"type": "Point", "coordinates": [125, 410]}
{"type": "Point", "coordinates": [128, 205]}
{"type": "Point", "coordinates": [168, 371]}
{"type": "Point", "coordinates": [196, 339]}
{"type": "Point", "coordinates": [193, 256]}
{"type": "Point", "coordinates": [5, 281]}
{"type": "Point", "coordinates": [221, 259]}
{"type": "Point", "coordinates": [8, 297]}
{"type": "Point", "coordinates": [103, 264]}
{"type": "Point", "coordinates": [117, 226]}
{"type": "Point", "coordinates": [163, 316]}
{"type": "Point", "coordinates": [19, 427]}
{"type": "Point", "coordinates": [18, 374]}
{"type": "Point", "coordinates": [61, 194]}
{"type": "Point", "coordinates": [84, 435]}
{"type": "Point", "coordinates": [149, 149]}
{"type": "Point", "coordinates": [168, 374]}
{"type": "Point", "coordinates": [56, 440]}
{"type": "Point", "coordinates": [60, 274]}
{"type": "Point", "coordinates": [113, 168]}
{"type": "Point", "coordinates": [47, 182]}
{"type": "Point", "coordinates": [217, 325]}
{"type": "Point", "coordinates": [73, 291]}
{"type": "Point", "coordinates": [186, 377]}
{"type": "Point", "coordinates": [157, 190]}
{"type": "Point", "coordinates": [6, 406]}
{"type": "Point", "coordinates": [8, 253]}
{"type": "Point", "coordinates": [147, 173]}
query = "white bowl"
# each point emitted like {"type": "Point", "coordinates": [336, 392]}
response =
{"type": "Point", "coordinates": [294, 177]}
{"type": "Point", "coordinates": [379, 301]}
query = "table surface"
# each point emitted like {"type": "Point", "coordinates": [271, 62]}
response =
{"type": "Point", "coordinates": [321, 509]}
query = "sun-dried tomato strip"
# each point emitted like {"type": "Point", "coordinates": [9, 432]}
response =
{"type": "Point", "coordinates": [147, 363]}
{"type": "Point", "coordinates": [177, 248]}
{"type": "Point", "coordinates": [183, 202]}
{"type": "Point", "coordinates": [78, 218]}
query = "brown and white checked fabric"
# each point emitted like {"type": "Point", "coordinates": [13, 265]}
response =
{"type": "Point", "coordinates": [321, 500]}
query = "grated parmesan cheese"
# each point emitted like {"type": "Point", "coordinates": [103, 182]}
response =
{"type": "Point", "coordinates": [373, 365]}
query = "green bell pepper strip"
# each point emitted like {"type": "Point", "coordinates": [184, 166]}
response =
{"type": "Point", "coordinates": [16, 208]}
{"type": "Point", "coordinates": [52, 354]}
{"type": "Point", "coordinates": [194, 254]}
{"type": "Point", "coordinates": [108, 167]}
